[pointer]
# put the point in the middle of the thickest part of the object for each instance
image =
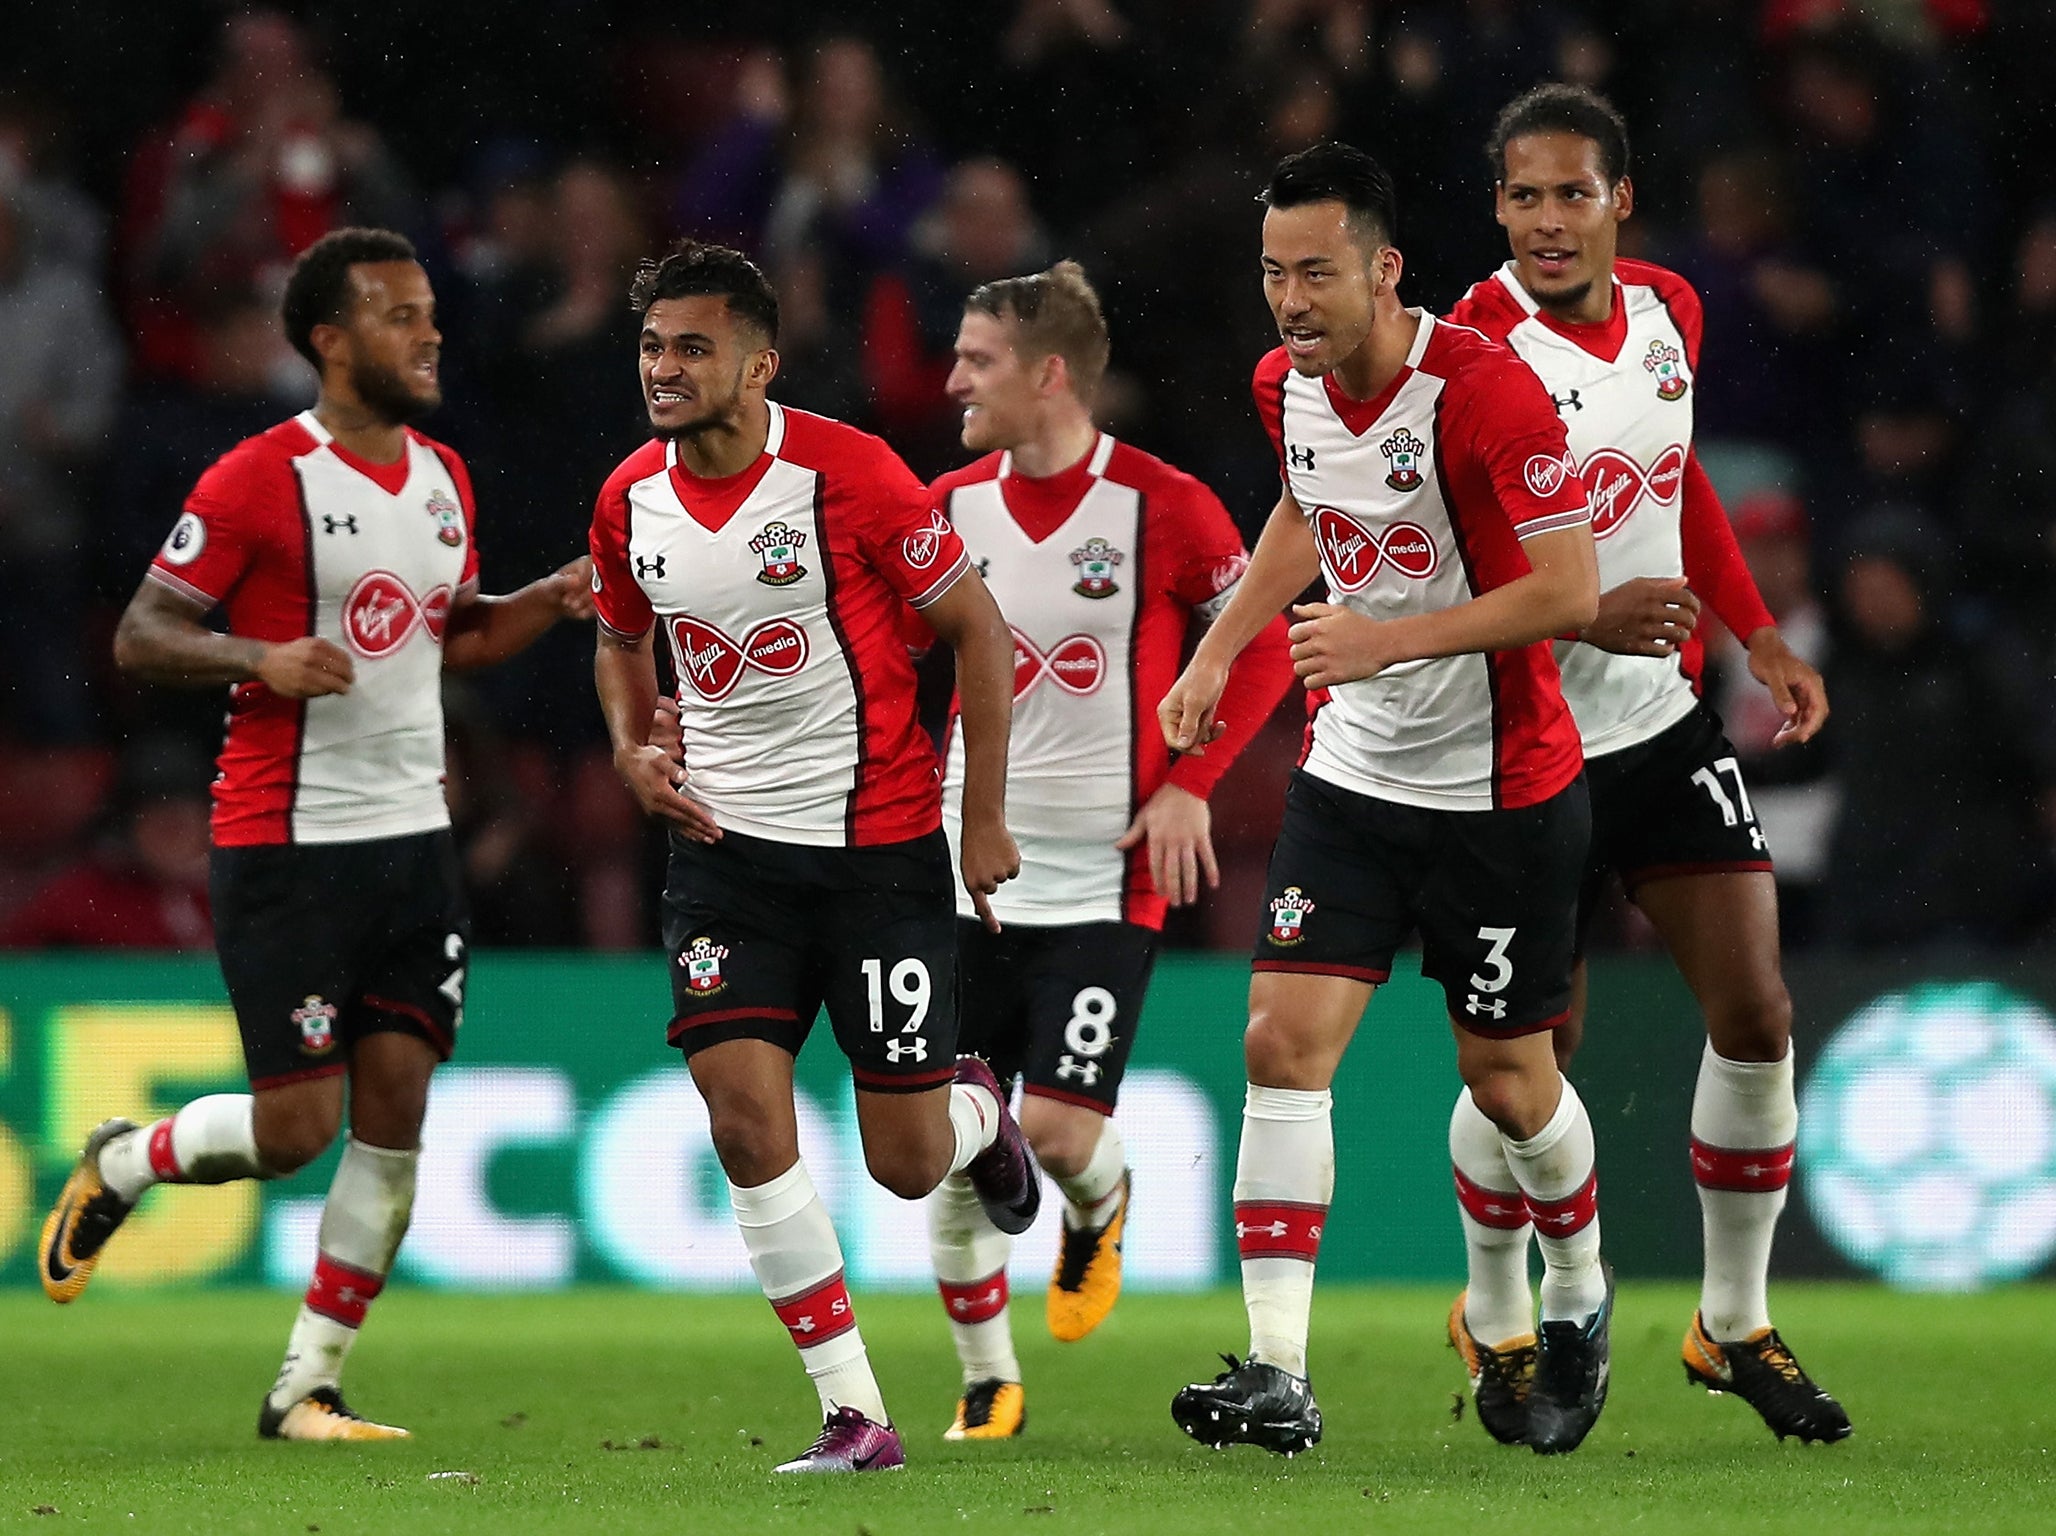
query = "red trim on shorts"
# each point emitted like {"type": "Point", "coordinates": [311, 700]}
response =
{"type": "Point", "coordinates": [1512, 1032]}
{"type": "Point", "coordinates": [304, 1075]}
{"type": "Point", "coordinates": [683, 1022]}
{"type": "Point", "coordinates": [1316, 968]}
{"type": "Point", "coordinates": [1064, 1096]}
{"type": "Point", "coordinates": [437, 1035]}
{"type": "Point", "coordinates": [342, 1292]}
{"type": "Point", "coordinates": [893, 1082]}
{"type": "Point", "coordinates": [1633, 878]}
{"type": "Point", "coordinates": [1279, 1229]}
{"type": "Point", "coordinates": [164, 1161]}
{"type": "Point", "coordinates": [975, 1301]}
{"type": "Point", "coordinates": [1743, 1170]}
{"type": "Point", "coordinates": [1496, 1208]}
{"type": "Point", "coordinates": [1570, 1215]}
{"type": "Point", "coordinates": [818, 1314]}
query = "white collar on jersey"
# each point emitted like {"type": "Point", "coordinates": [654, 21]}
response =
{"type": "Point", "coordinates": [1422, 336]}
{"type": "Point", "coordinates": [1095, 463]}
{"type": "Point", "coordinates": [1512, 284]}
{"type": "Point", "coordinates": [772, 442]}
{"type": "Point", "coordinates": [314, 428]}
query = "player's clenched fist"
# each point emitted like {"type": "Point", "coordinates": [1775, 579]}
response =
{"type": "Point", "coordinates": [572, 586]}
{"type": "Point", "coordinates": [1187, 712]}
{"type": "Point", "coordinates": [1648, 616]}
{"type": "Point", "coordinates": [990, 859]}
{"type": "Point", "coordinates": [306, 668]}
{"type": "Point", "coordinates": [1332, 645]}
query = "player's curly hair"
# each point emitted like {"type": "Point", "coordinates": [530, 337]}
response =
{"type": "Point", "coordinates": [695, 269]}
{"type": "Point", "coordinates": [1560, 108]}
{"type": "Point", "coordinates": [1055, 313]}
{"type": "Point", "coordinates": [318, 289]}
{"type": "Point", "coordinates": [1337, 173]}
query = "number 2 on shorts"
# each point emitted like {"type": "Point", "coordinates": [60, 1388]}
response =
{"type": "Point", "coordinates": [909, 986]}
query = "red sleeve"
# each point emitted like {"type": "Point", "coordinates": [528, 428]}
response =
{"type": "Point", "coordinates": [908, 542]}
{"type": "Point", "coordinates": [1713, 560]}
{"type": "Point", "coordinates": [462, 477]}
{"type": "Point", "coordinates": [240, 502]}
{"type": "Point", "coordinates": [1678, 296]}
{"type": "Point", "coordinates": [906, 384]}
{"type": "Point", "coordinates": [1269, 389]}
{"type": "Point", "coordinates": [1202, 553]}
{"type": "Point", "coordinates": [623, 605]}
{"type": "Point", "coordinates": [1504, 421]}
{"type": "Point", "coordinates": [1489, 308]}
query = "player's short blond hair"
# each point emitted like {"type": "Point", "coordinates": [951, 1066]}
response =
{"type": "Point", "coordinates": [1055, 314]}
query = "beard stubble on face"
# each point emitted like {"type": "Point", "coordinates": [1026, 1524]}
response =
{"type": "Point", "coordinates": [388, 394]}
{"type": "Point", "coordinates": [718, 413]}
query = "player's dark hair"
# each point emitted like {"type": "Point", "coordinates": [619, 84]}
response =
{"type": "Point", "coordinates": [1337, 173]}
{"type": "Point", "coordinates": [1055, 313]}
{"type": "Point", "coordinates": [318, 289]}
{"type": "Point", "coordinates": [1559, 108]}
{"type": "Point", "coordinates": [696, 269]}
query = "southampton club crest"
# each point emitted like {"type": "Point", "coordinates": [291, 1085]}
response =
{"type": "Point", "coordinates": [1662, 361]}
{"type": "Point", "coordinates": [1404, 450]}
{"type": "Point", "coordinates": [449, 518]}
{"type": "Point", "coordinates": [780, 547]}
{"type": "Point", "coordinates": [1288, 916]}
{"type": "Point", "coordinates": [316, 1017]}
{"type": "Point", "coordinates": [1096, 561]}
{"type": "Point", "coordinates": [702, 961]}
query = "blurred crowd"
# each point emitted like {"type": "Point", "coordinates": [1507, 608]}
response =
{"type": "Point", "coordinates": [1854, 186]}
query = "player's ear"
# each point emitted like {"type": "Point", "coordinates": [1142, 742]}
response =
{"type": "Point", "coordinates": [1623, 198]}
{"type": "Point", "coordinates": [331, 343]}
{"type": "Point", "coordinates": [1499, 201]}
{"type": "Point", "coordinates": [1390, 265]}
{"type": "Point", "coordinates": [1053, 376]}
{"type": "Point", "coordinates": [763, 368]}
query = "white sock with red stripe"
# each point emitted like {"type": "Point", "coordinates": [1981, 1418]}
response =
{"type": "Point", "coordinates": [792, 1247]}
{"type": "Point", "coordinates": [973, 1121]}
{"type": "Point", "coordinates": [1498, 1306]}
{"type": "Point", "coordinates": [970, 1258]}
{"type": "Point", "coordinates": [1556, 1171]}
{"type": "Point", "coordinates": [1744, 1121]}
{"type": "Point", "coordinates": [211, 1141]}
{"type": "Point", "coordinates": [1284, 1179]}
{"type": "Point", "coordinates": [362, 1223]}
{"type": "Point", "coordinates": [1092, 1196]}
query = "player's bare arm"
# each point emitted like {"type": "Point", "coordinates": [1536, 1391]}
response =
{"type": "Point", "coordinates": [969, 622]}
{"type": "Point", "coordinates": [162, 639]}
{"type": "Point", "coordinates": [1177, 827]}
{"type": "Point", "coordinates": [625, 674]}
{"type": "Point", "coordinates": [486, 630]}
{"type": "Point", "coordinates": [1648, 616]}
{"type": "Point", "coordinates": [1282, 566]}
{"type": "Point", "coordinates": [1333, 645]}
{"type": "Point", "coordinates": [1795, 686]}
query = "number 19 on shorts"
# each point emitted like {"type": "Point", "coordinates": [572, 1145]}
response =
{"type": "Point", "coordinates": [908, 985]}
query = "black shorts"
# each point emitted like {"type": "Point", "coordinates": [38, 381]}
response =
{"type": "Point", "coordinates": [1492, 893]}
{"type": "Point", "coordinates": [322, 943]}
{"type": "Point", "coordinates": [1056, 1007]}
{"type": "Point", "coordinates": [1672, 805]}
{"type": "Point", "coordinates": [762, 934]}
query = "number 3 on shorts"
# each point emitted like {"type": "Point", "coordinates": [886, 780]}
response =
{"type": "Point", "coordinates": [909, 986]}
{"type": "Point", "coordinates": [1498, 969]}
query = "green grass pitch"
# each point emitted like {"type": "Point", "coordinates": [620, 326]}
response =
{"type": "Point", "coordinates": [628, 1412]}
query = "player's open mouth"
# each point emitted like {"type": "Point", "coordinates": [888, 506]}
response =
{"type": "Point", "coordinates": [663, 397]}
{"type": "Point", "coordinates": [1299, 340]}
{"type": "Point", "coordinates": [1554, 263]}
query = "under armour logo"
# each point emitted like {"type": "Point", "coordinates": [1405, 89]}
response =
{"type": "Point", "coordinates": [1756, 838]}
{"type": "Point", "coordinates": [964, 1305]}
{"type": "Point", "coordinates": [331, 524]}
{"type": "Point", "coordinates": [647, 566]}
{"type": "Point", "coordinates": [805, 1324]}
{"type": "Point", "coordinates": [1569, 402]}
{"type": "Point", "coordinates": [1269, 1228]}
{"type": "Point", "coordinates": [984, 567]}
{"type": "Point", "coordinates": [1069, 1066]}
{"type": "Point", "coordinates": [1299, 458]}
{"type": "Point", "coordinates": [915, 1049]}
{"type": "Point", "coordinates": [1494, 1008]}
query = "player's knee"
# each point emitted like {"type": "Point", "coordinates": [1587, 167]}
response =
{"type": "Point", "coordinates": [1518, 1102]}
{"type": "Point", "coordinates": [1752, 1024]}
{"type": "Point", "coordinates": [1061, 1150]}
{"type": "Point", "coordinates": [750, 1151]}
{"type": "Point", "coordinates": [288, 1143]}
{"type": "Point", "coordinates": [1279, 1056]}
{"type": "Point", "coordinates": [910, 1171]}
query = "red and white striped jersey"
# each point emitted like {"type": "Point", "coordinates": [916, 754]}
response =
{"type": "Point", "coordinates": [1623, 388]}
{"type": "Point", "coordinates": [1099, 569]}
{"type": "Point", "coordinates": [782, 592]}
{"type": "Point", "coordinates": [1418, 500]}
{"type": "Point", "coordinates": [294, 535]}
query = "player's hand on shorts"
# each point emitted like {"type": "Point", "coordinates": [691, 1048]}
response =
{"type": "Point", "coordinates": [306, 668]}
{"type": "Point", "coordinates": [1332, 644]}
{"type": "Point", "coordinates": [573, 588]}
{"type": "Point", "coordinates": [1178, 828]}
{"type": "Point", "coordinates": [1649, 616]}
{"type": "Point", "coordinates": [1795, 687]}
{"type": "Point", "coordinates": [1187, 711]}
{"type": "Point", "coordinates": [989, 860]}
{"type": "Point", "coordinates": [667, 731]}
{"type": "Point", "coordinates": [658, 783]}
